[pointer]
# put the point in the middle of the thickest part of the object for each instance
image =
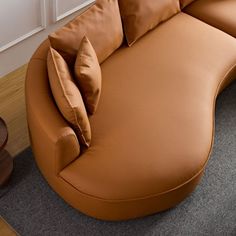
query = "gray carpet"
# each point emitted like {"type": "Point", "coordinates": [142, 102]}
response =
{"type": "Point", "coordinates": [32, 208]}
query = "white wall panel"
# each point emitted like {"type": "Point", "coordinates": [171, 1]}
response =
{"type": "Point", "coordinates": [20, 23]}
{"type": "Point", "coordinates": [20, 19]}
{"type": "Point", "coordinates": [64, 8]}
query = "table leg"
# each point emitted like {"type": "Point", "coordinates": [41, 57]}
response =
{"type": "Point", "coordinates": [6, 166]}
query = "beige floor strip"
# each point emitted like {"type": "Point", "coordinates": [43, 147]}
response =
{"type": "Point", "coordinates": [12, 109]}
{"type": "Point", "coordinates": [6, 229]}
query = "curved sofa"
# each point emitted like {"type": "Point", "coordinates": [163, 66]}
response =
{"type": "Point", "coordinates": [153, 131]}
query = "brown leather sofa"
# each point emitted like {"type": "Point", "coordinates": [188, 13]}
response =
{"type": "Point", "coordinates": [153, 131]}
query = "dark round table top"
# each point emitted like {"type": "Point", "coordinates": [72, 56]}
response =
{"type": "Point", "coordinates": [3, 133]}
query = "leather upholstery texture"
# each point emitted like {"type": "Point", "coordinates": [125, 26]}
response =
{"type": "Point", "coordinates": [88, 75]}
{"type": "Point", "coordinates": [67, 96]}
{"type": "Point", "coordinates": [141, 16]}
{"type": "Point", "coordinates": [153, 130]}
{"type": "Point", "coordinates": [101, 23]}
{"type": "Point", "coordinates": [218, 13]}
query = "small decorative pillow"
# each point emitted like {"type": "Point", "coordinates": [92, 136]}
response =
{"type": "Point", "coordinates": [68, 97]}
{"type": "Point", "coordinates": [101, 23]}
{"type": "Point", "coordinates": [88, 75]}
{"type": "Point", "coordinates": [140, 16]}
{"type": "Point", "coordinates": [184, 3]}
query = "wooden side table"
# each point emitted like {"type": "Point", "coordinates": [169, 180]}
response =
{"type": "Point", "coordinates": [6, 162]}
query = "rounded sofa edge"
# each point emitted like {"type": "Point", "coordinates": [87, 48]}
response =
{"type": "Point", "coordinates": [228, 79]}
{"type": "Point", "coordinates": [125, 209]}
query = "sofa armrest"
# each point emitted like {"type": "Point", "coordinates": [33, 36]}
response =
{"type": "Point", "coordinates": [54, 142]}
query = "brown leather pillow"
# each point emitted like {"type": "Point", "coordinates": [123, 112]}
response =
{"type": "Point", "coordinates": [101, 23]}
{"type": "Point", "coordinates": [184, 3]}
{"type": "Point", "coordinates": [140, 16]}
{"type": "Point", "coordinates": [88, 75]}
{"type": "Point", "coordinates": [68, 97]}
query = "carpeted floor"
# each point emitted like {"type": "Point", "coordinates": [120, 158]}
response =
{"type": "Point", "coordinates": [32, 208]}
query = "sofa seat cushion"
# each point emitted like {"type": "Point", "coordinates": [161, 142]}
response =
{"type": "Point", "coordinates": [153, 130]}
{"type": "Point", "coordinates": [218, 13]}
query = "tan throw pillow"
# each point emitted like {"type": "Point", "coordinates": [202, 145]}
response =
{"type": "Point", "coordinates": [101, 23]}
{"type": "Point", "coordinates": [140, 16]}
{"type": "Point", "coordinates": [184, 3]}
{"type": "Point", "coordinates": [68, 97]}
{"type": "Point", "coordinates": [88, 75]}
